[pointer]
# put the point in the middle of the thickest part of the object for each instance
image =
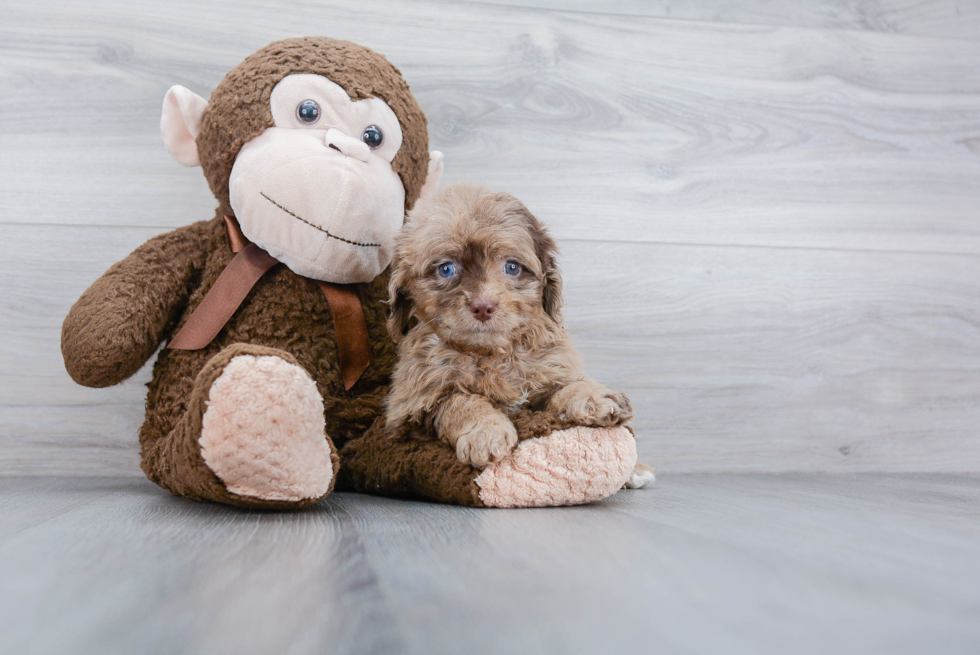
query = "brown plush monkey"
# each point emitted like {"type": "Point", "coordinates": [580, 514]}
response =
{"type": "Point", "coordinates": [277, 353]}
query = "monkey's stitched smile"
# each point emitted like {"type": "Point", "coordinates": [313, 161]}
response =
{"type": "Point", "coordinates": [332, 236]}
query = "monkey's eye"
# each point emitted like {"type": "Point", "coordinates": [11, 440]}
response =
{"type": "Point", "coordinates": [372, 136]}
{"type": "Point", "coordinates": [308, 112]}
{"type": "Point", "coordinates": [512, 268]}
{"type": "Point", "coordinates": [447, 270]}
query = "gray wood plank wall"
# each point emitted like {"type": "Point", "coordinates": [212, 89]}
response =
{"type": "Point", "coordinates": [768, 210]}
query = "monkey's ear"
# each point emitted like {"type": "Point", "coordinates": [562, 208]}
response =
{"type": "Point", "coordinates": [183, 112]}
{"type": "Point", "coordinates": [399, 305]}
{"type": "Point", "coordinates": [435, 172]}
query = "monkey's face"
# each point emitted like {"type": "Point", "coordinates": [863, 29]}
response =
{"type": "Point", "coordinates": [317, 147]}
{"type": "Point", "coordinates": [317, 191]}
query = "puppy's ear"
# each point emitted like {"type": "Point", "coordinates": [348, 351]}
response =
{"type": "Point", "coordinates": [552, 298]}
{"type": "Point", "coordinates": [399, 303]}
{"type": "Point", "coordinates": [547, 251]}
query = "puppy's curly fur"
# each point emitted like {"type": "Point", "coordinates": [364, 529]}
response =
{"type": "Point", "coordinates": [475, 298]}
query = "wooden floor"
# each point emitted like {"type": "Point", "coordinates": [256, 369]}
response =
{"type": "Point", "coordinates": [699, 564]}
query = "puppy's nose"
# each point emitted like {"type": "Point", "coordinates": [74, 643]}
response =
{"type": "Point", "coordinates": [482, 309]}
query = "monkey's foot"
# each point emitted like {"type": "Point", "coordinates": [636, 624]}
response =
{"type": "Point", "coordinates": [555, 463]}
{"type": "Point", "coordinates": [568, 467]}
{"type": "Point", "coordinates": [263, 432]}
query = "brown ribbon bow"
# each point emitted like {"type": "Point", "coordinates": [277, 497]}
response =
{"type": "Point", "coordinates": [246, 268]}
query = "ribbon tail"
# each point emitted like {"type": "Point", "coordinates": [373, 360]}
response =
{"type": "Point", "coordinates": [351, 329]}
{"type": "Point", "coordinates": [224, 298]}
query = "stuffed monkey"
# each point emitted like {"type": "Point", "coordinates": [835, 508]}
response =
{"type": "Point", "coordinates": [277, 358]}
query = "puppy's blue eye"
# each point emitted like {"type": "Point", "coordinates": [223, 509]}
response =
{"type": "Point", "coordinates": [308, 112]}
{"type": "Point", "coordinates": [447, 270]}
{"type": "Point", "coordinates": [512, 268]}
{"type": "Point", "coordinates": [372, 136]}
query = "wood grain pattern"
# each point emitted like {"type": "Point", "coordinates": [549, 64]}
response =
{"type": "Point", "coordinates": [677, 132]}
{"type": "Point", "coordinates": [770, 231]}
{"type": "Point", "coordinates": [700, 564]}
{"type": "Point", "coordinates": [938, 18]}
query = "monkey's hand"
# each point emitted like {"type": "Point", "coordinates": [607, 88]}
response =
{"type": "Point", "coordinates": [121, 319]}
{"type": "Point", "coordinates": [480, 433]}
{"type": "Point", "coordinates": [587, 402]}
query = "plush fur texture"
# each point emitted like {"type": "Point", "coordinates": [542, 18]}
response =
{"type": "Point", "coordinates": [121, 319]}
{"type": "Point", "coordinates": [413, 462]}
{"type": "Point", "coordinates": [239, 106]}
{"type": "Point", "coordinates": [466, 373]}
{"type": "Point", "coordinates": [263, 433]}
{"type": "Point", "coordinates": [175, 460]}
{"type": "Point", "coordinates": [142, 301]}
{"type": "Point", "coordinates": [570, 467]}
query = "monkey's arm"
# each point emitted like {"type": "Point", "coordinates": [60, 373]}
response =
{"type": "Point", "coordinates": [120, 320]}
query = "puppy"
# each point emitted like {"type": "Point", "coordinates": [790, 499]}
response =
{"type": "Point", "coordinates": [475, 298]}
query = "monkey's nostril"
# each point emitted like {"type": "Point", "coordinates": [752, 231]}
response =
{"type": "Point", "coordinates": [335, 147]}
{"type": "Point", "coordinates": [482, 309]}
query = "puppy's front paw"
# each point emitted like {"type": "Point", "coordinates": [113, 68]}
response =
{"type": "Point", "coordinates": [488, 439]}
{"type": "Point", "coordinates": [614, 408]}
{"type": "Point", "coordinates": [594, 405]}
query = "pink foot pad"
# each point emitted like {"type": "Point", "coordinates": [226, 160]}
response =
{"type": "Point", "coordinates": [263, 432]}
{"type": "Point", "coordinates": [569, 467]}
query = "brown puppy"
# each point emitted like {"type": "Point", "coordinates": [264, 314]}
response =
{"type": "Point", "coordinates": [476, 300]}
